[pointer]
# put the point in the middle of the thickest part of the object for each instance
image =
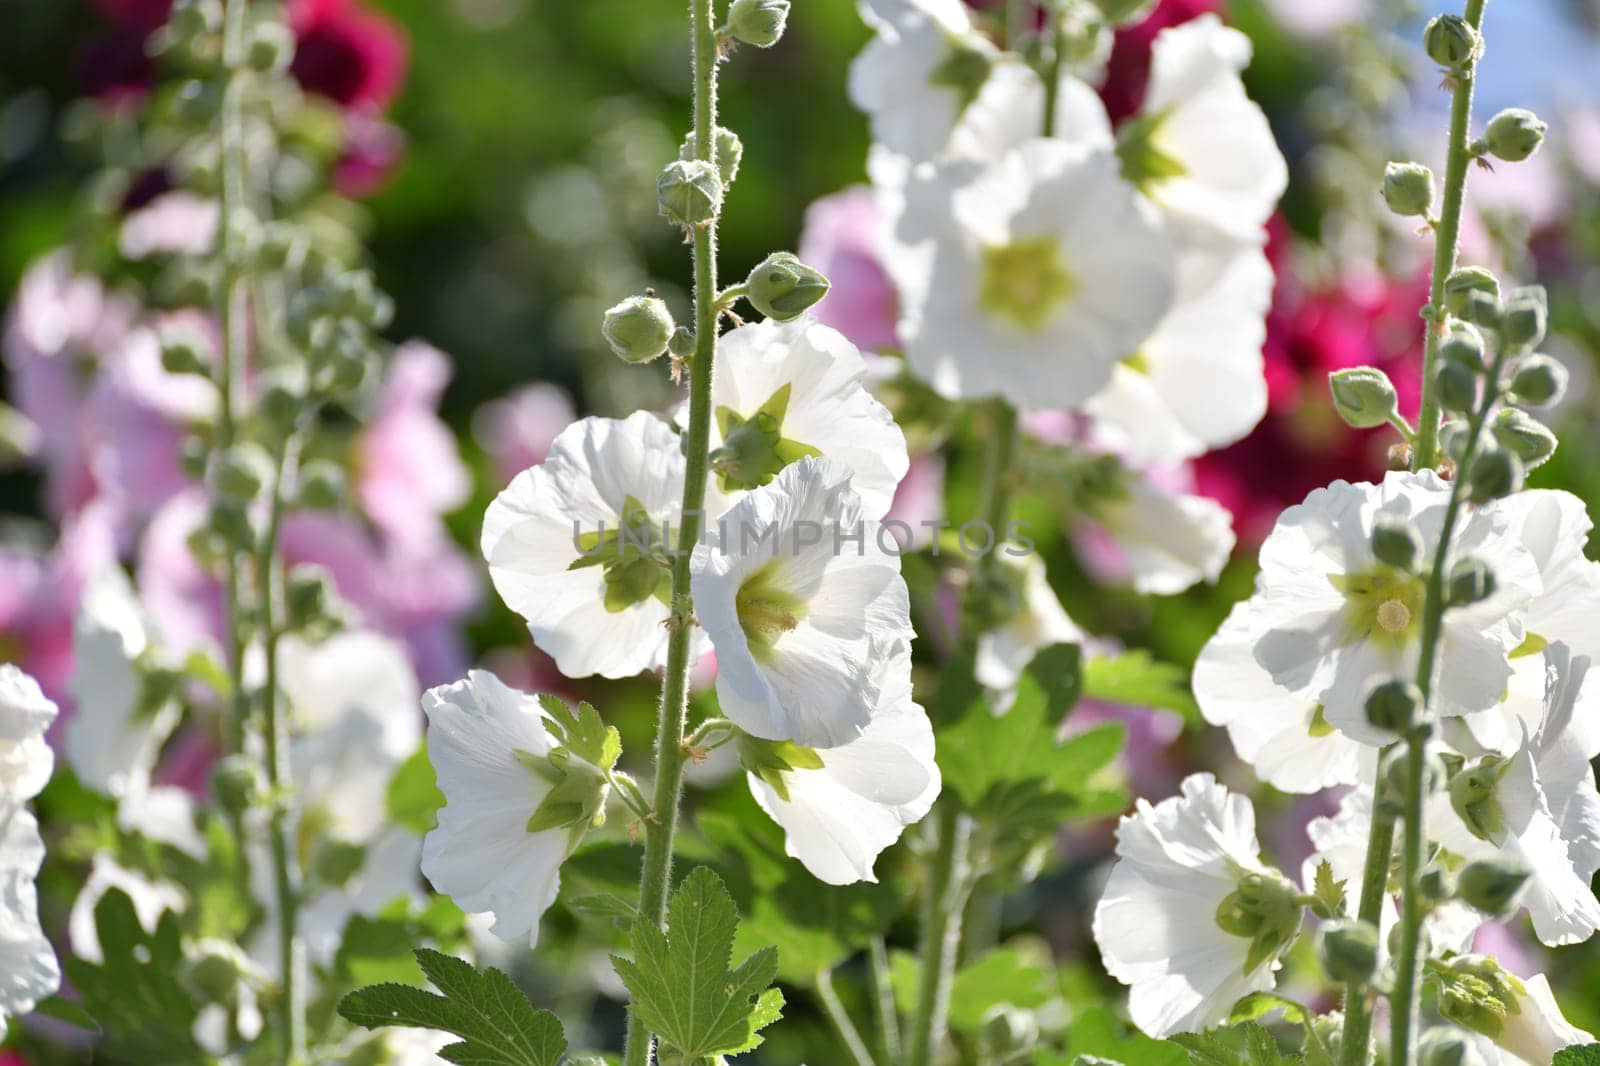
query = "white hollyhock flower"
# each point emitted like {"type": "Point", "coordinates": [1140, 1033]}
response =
{"type": "Point", "coordinates": [1200, 147]}
{"type": "Point", "coordinates": [26, 760]}
{"type": "Point", "coordinates": [1030, 277]}
{"type": "Point", "coordinates": [1283, 736]}
{"type": "Point", "coordinates": [388, 871]}
{"type": "Point", "coordinates": [841, 807]}
{"type": "Point", "coordinates": [151, 899]}
{"type": "Point", "coordinates": [783, 390]}
{"type": "Point", "coordinates": [1005, 651]}
{"type": "Point", "coordinates": [803, 600]}
{"type": "Point", "coordinates": [1169, 540]}
{"type": "Point", "coordinates": [499, 844]}
{"type": "Point", "coordinates": [116, 734]}
{"type": "Point", "coordinates": [354, 700]}
{"type": "Point", "coordinates": [575, 545]}
{"type": "Point", "coordinates": [28, 968]}
{"type": "Point", "coordinates": [1196, 383]}
{"type": "Point", "coordinates": [1533, 1032]}
{"type": "Point", "coordinates": [1183, 866]}
{"type": "Point", "coordinates": [1538, 806]}
{"type": "Point", "coordinates": [1327, 618]}
{"type": "Point", "coordinates": [1554, 526]}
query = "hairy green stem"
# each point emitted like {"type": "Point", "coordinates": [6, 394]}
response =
{"type": "Point", "coordinates": [656, 876]}
{"type": "Point", "coordinates": [883, 1008]}
{"type": "Point", "coordinates": [1425, 453]}
{"type": "Point", "coordinates": [843, 1027]}
{"type": "Point", "coordinates": [1374, 888]}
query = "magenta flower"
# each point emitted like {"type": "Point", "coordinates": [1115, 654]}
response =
{"type": "Point", "coordinates": [347, 53]}
{"type": "Point", "coordinates": [840, 238]}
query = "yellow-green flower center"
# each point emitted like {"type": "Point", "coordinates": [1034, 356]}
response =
{"type": "Point", "coordinates": [1382, 605]}
{"type": "Point", "coordinates": [1025, 282]}
{"type": "Point", "coordinates": [766, 609]}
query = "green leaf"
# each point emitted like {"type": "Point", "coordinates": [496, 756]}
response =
{"type": "Point", "coordinates": [1258, 1004]}
{"type": "Point", "coordinates": [414, 798]}
{"type": "Point", "coordinates": [1138, 679]}
{"type": "Point", "coordinates": [137, 993]}
{"type": "Point", "coordinates": [65, 1010]}
{"type": "Point", "coordinates": [1330, 894]}
{"type": "Point", "coordinates": [1587, 1055]}
{"type": "Point", "coordinates": [680, 982]}
{"type": "Point", "coordinates": [607, 908]}
{"type": "Point", "coordinates": [1239, 1045]}
{"type": "Point", "coordinates": [1096, 1033]}
{"type": "Point", "coordinates": [1018, 976]}
{"type": "Point", "coordinates": [496, 1023]}
{"type": "Point", "coordinates": [582, 732]}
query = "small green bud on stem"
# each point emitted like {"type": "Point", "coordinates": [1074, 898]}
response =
{"type": "Point", "coordinates": [1463, 284]}
{"type": "Point", "coordinates": [1451, 42]}
{"type": "Point", "coordinates": [1363, 396]}
{"type": "Point", "coordinates": [1524, 436]}
{"type": "Point", "coordinates": [1397, 542]}
{"type": "Point", "coordinates": [689, 192]}
{"type": "Point", "coordinates": [638, 329]}
{"type": "Point", "coordinates": [1408, 189]}
{"type": "Point", "coordinates": [782, 287]}
{"type": "Point", "coordinates": [1394, 705]}
{"type": "Point", "coordinates": [1514, 134]}
{"type": "Point", "coordinates": [1493, 886]}
{"type": "Point", "coordinates": [1349, 950]}
{"type": "Point", "coordinates": [1471, 581]}
{"type": "Point", "coordinates": [757, 22]}
{"type": "Point", "coordinates": [1538, 382]}
{"type": "Point", "coordinates": [1495, 473]}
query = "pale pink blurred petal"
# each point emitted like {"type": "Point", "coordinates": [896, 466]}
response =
{"type": "Point", "coordinates": [839, 238]}
{"type": "Point", "coordinates": [516, 431]}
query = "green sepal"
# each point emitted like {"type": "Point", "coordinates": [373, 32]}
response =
{"type": "Point", "coordinates": [771, 760]}
{"type": "Point", "coordinates": [754, 449]}
{"type": "Point", "coordinates": [1143, 164]}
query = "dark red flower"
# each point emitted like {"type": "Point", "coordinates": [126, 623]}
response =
{"type": "Point", "coordinates": [353, 56]}
{"type": "Point", "coordinates": [1128, 69]}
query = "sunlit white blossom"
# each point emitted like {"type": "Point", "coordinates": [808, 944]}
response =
{"type": "Point", "coordinates": [1535, 1030]}
{"type": "Point", "coordinates": [150, 898]}
{"type": "Point", "coordinates": [1005, 651]}
{"type": "Point", "coordinates": [1182, 865]}
{"type": "Point", "coordinates": [575, 545]}
{"type": "Point", "coordinates": [26, 760]}
{"type": "Point", "coordinates": [1169, 540]}
{"type": "Point", "coordinates": [802, 618]}
{"type": "Point", "coordinates": [28, 968]}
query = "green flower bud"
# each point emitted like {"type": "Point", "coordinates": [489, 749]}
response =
{"type": "Point", "coordinates": [308, 594]}
{"type": "Point", "coordinates": [1470, 581]}
{"type": "Point", "coordinates": [1396, 541]}
{"type": "Point", "coordinates": [322, 485]}
{"type": "Point", "coordinates": [283, 392]}
{"type": "Point", "coordinates": [336, 861]}
{"type": "Point", "coordinates": [757, 22]}
{"type": "Point", "coordinates": [782, 287]}
{"type": "Point", "coordinates": [1474, 796]}
{"type": "Point", "coordinates": [229, 522]}
{"type": "Point", "coordinates": [1363, 396]}
{"type": "Point", "coordinates": [1526, 314]}
{"type": "Point", "coordinates": [1463, 283]}
{"type": "Point", "coordinates": [689, 192]}
{"type": "Point", "coordinates": [681, 346]}
{"type": "Point", "coordinates": [1437, 884]}
{"type": "Point", "coordinates": [1452, 43]}
{"type": "Point", "coordinates": [235, 783]}
{"type": "Point", "coordinates": [281, 244]}
{"type": "Point", "coordinates": [638, 329]}
{"type": "Point", "coordinates": [191, 18]}
{"type": "Point", "coordinates": [1349, 950]}
{"type": "Point", "coordinates": [215, 976]}
{"type": "Point", "coordinates": [1495, 473]}
{"type": "Point", "coordinates": [1463, 347]}
{"type": "Point", "coordinates": [1453, 438]}
{"type": "Point", "coordinates": [1484, 310]}
{"type": "Point", "coordinates": [1458, 387]}
{"type": "Point", "coordinates": [1476, 992]}
{"type": "Point", "coordinates": [1493, 886]}
{"type": "Point", "coordinates": [242, 235]}
{"type": "Point", "coordinates": [1396, 771]}
{"type": "Point", "coordinates": [1408, 189]}
{"type": "Point", "coordinates": [728, 151]}
{"type": "Point", "coordinates": [270, 47]}
{"type": "Point", "coordinates": [194, 456]}
{"type": "Point", "coordinates": [242, 471]}
{"type": "Point", "coordinates": [350, 366]}
{"type": "Point", "coordinates": [181, 352]}
{"type": "Point", "coordinates": [1524, 436]}
{"type": "Point", "coordinates": [208, 550]}
{"type": "Point", "coordinates": [1008, 1033]}
{"type": "Point", "coordinates": [1447, 1046]}
{"type": "Point", "coordinates": [1394, 705]}
{"type": "Point", "coordinates": [1514, 134]}
{"type": "Point", "coordinates": [1538, 382]}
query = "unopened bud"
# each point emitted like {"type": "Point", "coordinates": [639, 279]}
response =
{"type": "Point", "coordinates": [242, 234]}
{"type": "Point", "coordinates": [1514, 134]}
{"type": "Point", "coordinates": [1539, 381]}
{"type": "Point", "coordinates": [1349, 950]}
{"type": "Point", "coordinates": [1452, 43]}
{"type": "Point", "coordinates": [271, 46]}
{"type": "Point", "coordinates": [1524, 319]}
{"type": "Point", "coordinates": [1396, 542]}
{"type": "Point", "coordinates": [1457, 387]}
{"type": "Point", "coordinates": [1395, 768]}
{"type": "Point", "coordinates": [1471, 581]}
{"type": "Point", "coordinates": [242, 471]}
{"type": "Point", "coordinates": [1394, 705]}
{"type": "Point", "coordinates": [193, 17]}
{"type": "Point", "coordinates": [638, 329]}
{"type": "Point", "coordinates": [322, 485]}
{"type": "Point", "coordinates": [1363, 396]}
{"type": "Point", "coordinates": [1493, 886]}
{"type": "Point", "coordinates": [1524, 436]}
{"type": "Point", "coordinates": [1448, 1046]}
{"type": "Point", "coordinates": [757, 22]}
{"type": "Point", "coordinates": [282, 395]}
{"type": "Point", "coordinates": [307, 594]}
{"type": "Point", "coordinates": [181, 352]}
{"type": "Point", "coordinates": [1408, 189]}
{"type": "Point", "coordinates": [727, 150]}
{"type": "Point", "coordinates": [1008, 1032]}
{"type": "Point", "coordinates": [1463, 347]}
{"type": "Point", "coordinates": [782, 287]}
{"type": "Point", "coordinates": [229, 522]}
{"type": "Point", "coordinates": [1495, 473]}
{"type": "Point", "coordinates": [689, 192]}
{"type": "Point", "coordinates": [1453, 436]}
{"type": "Point", "coordinates": [681, 346]}
{"type": "Point", "coordinates": [1437, 884]}
{"type": "Point", "coordinates": [1463, 283]}
{"type": "Point", "coordinates": [235, 783]}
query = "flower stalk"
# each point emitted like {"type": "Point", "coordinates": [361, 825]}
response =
{"type": "Point", "coordinates": [670, 757]}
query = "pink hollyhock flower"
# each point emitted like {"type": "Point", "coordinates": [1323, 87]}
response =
{"type": "Point", "coordinates": [516, 431]}
{"type": "Point", "coordinates": [348, 53]}
{"type": "Point", "coordinates": [372, 150]}
{"type": "Point", "coordinates": [918, 500]}
{"type": "Point", "coordinates": [409, 471]}
{"type": "Point", "coordinates": [174, 587]}
{"type": "Point", "coordinates": [1128, 68]}
{"type": "Point", "coordinates": [173, 223]}
{"type": "Point", "coordinates": [1301, 444]}
{"type": "Point", "coordinates": [840, 238]}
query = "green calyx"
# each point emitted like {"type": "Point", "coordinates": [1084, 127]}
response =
{"type": "Point", "coordinates": [1319, 726]}
{"type": "Point", "coordinates": [1383, 604]}
{"type": "Point", "coordinates": [766, 609]}
{"type": "Point", "coordinates": [1474, 795]}
{"type": "Point", "coordinates": [773, 760]}
{"type": "Point", "coordinates": [633, 557]}
{"type": "Point", "coordinates": [577, 768]}
{"type": "Point", "coordinates": [1025, 282]}
{"type": "Point", "coordinates": [1144, 164]}
{"type": "Point", "coordinates": [1477, 993]}
{"type": "Point", "coordinates": [1264, 909]}
{"type": "Point", "coordinates": [964, 68]}
{"type": "Point", "coordinates": [753, 448]}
